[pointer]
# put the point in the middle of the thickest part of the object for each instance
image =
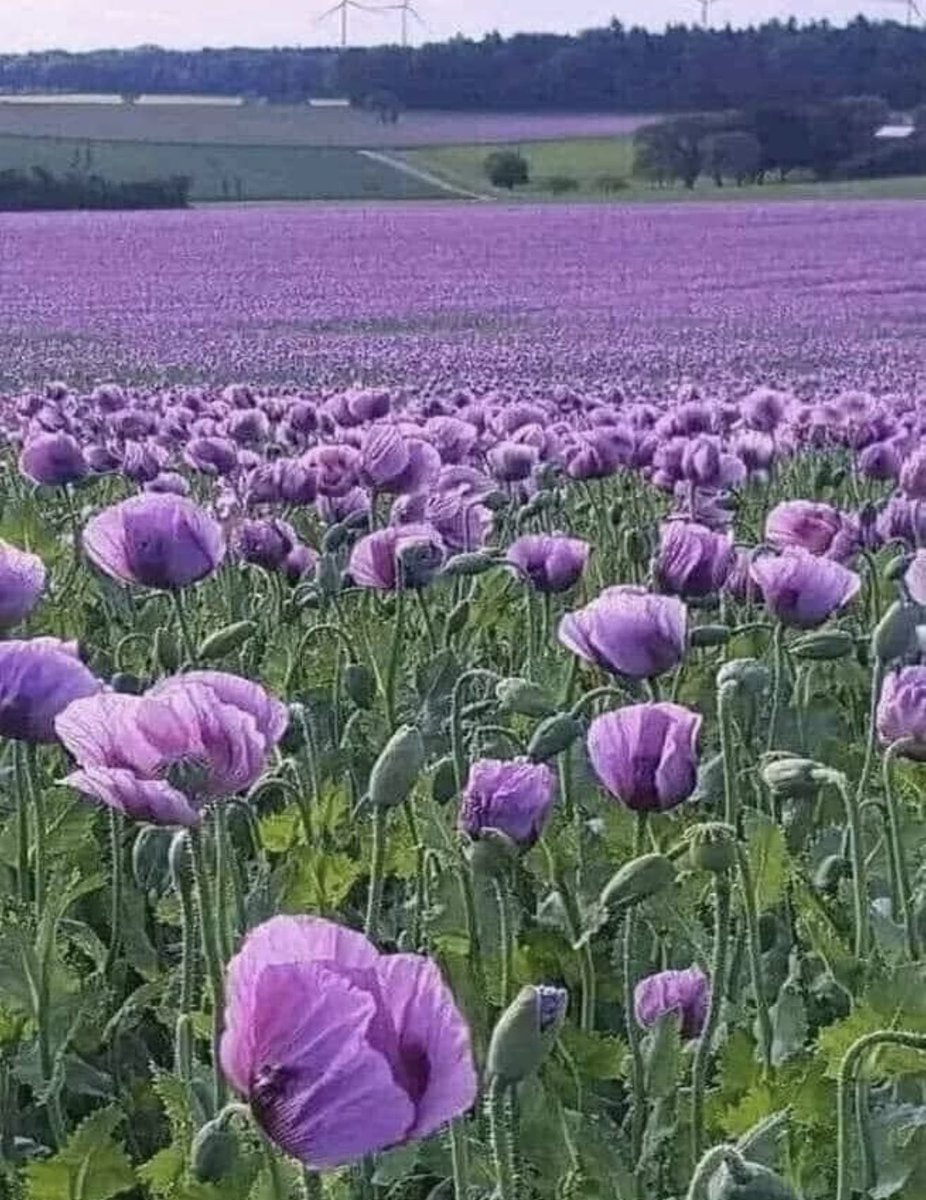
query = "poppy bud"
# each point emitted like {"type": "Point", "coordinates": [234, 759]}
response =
{"type": "Point", "coordinates": [213, 1153]}
{"type": "Point", "coordinates": [637, 880]}
{"type": "Point", "coordinates": [444, 781]}
{"type": "Point", "coordinates": [826, 645]}
{"type": "Point", "coordinates": [126, 684]}
{"type": "Point", "coordinates": [360, 684]}
{"type": "Point", "coordinates": [710, 635]}
{"type": "Point", "coordinates": [553, 736]}
{"type": "Point", "coordinates": [525, 1033]}
{"type": "Point", "coordinates": [749, 675]}
{"type": "Point", "coordinates": [520, 696]}
{"type": "Point", "coordinates": [793, 778]}
{"type": "Point", "coordinates": [896, 569]}
{"type": "Point", "coordinates": [396, 770]}
{"type": "Point", "coordinates": [895, 634]}
{"type": "Point", "coordinates": [741, 1180]}
{"type": "Point", "coordinates": [328, 575]}
{"type": "Point", "coordinates": [335, 536]}
{"type": "Point", "coordinates": [475, 562]}
{"type": "Point", "coordinates": [167, 657]}
{"type": "Point", "coordinates": [226, 641]}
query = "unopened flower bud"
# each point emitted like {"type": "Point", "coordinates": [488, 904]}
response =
{"type": "Point", "coordinates": [748, 675]}
{"type": "Point", "coordinates": [712, 847]}
{"type": "Point", "coordinates": [748, 1181]}
{"type": "Point", "coordinates": [444, 781]}
{"type": "Point", "coordinates": [226, 641]}
{"type": "Point", "coordinates": [396, 770]}
{"type": "Point", "coordinates": [709, 635]}
{"type": "Point", "coordinates": [830, 871]}
{"type": "Point", "coordinates": [525, 1033]}
{"type": "Point", "coordinates": [826, 645]}
{"type": "Point", "coordinates": [475, 562]}
{"type": "Point", "coordinates": [553, 736]}
{"type": "Point", "coordinates": [521, 696]}
{"type": "Point", "coordinates": [895, 634]}
{"type": "Point", "coordinates": [214, 1151]}
{"type": "Point", "coordinates": [637, 880]}
{"type": "Point", "coordinates": [126, 684]}
{"type": "Point", "coordinates": [793, 778]}
{"type": "Point", "coordinates": [360, 684]}
{"type": "Point", "coordinates": [328, 579]}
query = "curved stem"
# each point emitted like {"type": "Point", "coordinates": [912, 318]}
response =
{"type": "Point", "coordinates": [899, 862]}
{"type": "Point", "coordinates": [778, 669]}
{"type": "Point", "coordinates": [704, 1172]}
{"type": "Point", "coordinates": [116, 823]}
{"type": "Point", "coordinates": [859, 871]}
{"type": "Point", "coordinates": [755, 956]}
{"type": "Point", "coordinates": [706, 1041]}
{"type": "Point", "coordinates": [186, 636]}
{"type": "Point", "coordinates": [395, 656]}
{"type": "Point", "coordinates": [725, 723]}
{"type": "Point", "coordinates": [506, 1188]}
{"type": "Point", "coordinates": [506, 942]}
{"type": "Point", "coordinates": [40, 830]}
{"type": "Point", "coordinates": [637, 1075]}
{"type": "Point", "coordinates": [844, 1086]}
{"type": "Point", "coordinates": [377, 864]}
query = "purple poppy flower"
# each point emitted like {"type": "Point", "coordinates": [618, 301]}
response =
{"type": "Point", "coordinates": [101, 459]}
{"type": "Point", "coordinates": [802, 590]}
{"type": "Point", "coordinates": [53, 459]}
{"type": "Point", "coordinates": [375, 1054]}
{"type": "Point", "coordinates": [141, 462]}
{"type": "Point", "coordinates": [336, 468]}
{"type": "Point", "coordinates": [686, 993]}
{"type": "Point", "coordinates": [169, 482]}
{"type": "Point", "coordinates": [158, 541]}
{"type": "Point", "coordinates": [38, 680]}
{"type": "Point", "coordinates": [462, 523]}
{"type": "Point", "coordinates": [552, 562]}
{"type": "Point", "coordinates": [161, 756]}
{"type": "Point", "coordinates": [765, 409]}
{"type": "Point", "coordinates": [915, 578]}
{"type": "Point", "coordinates": [646, 755]}
{"type": "Point", "coordinates": [452, 438]}
{"type": "Point", "coordinates": [301, 561]}
{"type": "Point", "coordinates": [397, 464]}
{"type": "Point", "coordinates": [692, 560]}
{"type": "Point", "coordinates": [817, 528]}
{"type": "Point", "coordinates": [333, 509]}
{"type": "Point", "coordinates": [249, 427]}
{"type": "Point", "coordinates": [739, 582]}
{"type": "Point", "coordinates": [903, 520]}
{"type": "Point", "coordinates": [212, 455]}
{"type": "Point", "coordinates": [22, 578]}
{"type": "Point", "coordinates": [880, 460]}
{"type": "Point", "coordinates": [756, 451]}
{"type": "Point", "coordinates": [628, 631]}
{"type": "Point", "coordinates": [515, 797]}
{"type": "Point", "coordinates": [913, 476]}
{"type": "Point", "coordinates": [902, 710]}
{"type": "Point", "coordinates": [512, 462]}
{"type": "Point", "coordinates": [406, 555]}
{"type": "Point", "coordinates": [265, 543]}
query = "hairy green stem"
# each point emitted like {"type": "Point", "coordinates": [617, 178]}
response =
{"type": "Point", "coordinates": [899, 863]}
{"type": "Point", "coordinates": [377, 866]}
{"type": "Point", "coordinates": [499, 1138]}
{"type": "Point", "coordinates": [459, 1158]}
{"type": "Point", "coordinates": [506, 942]}
{"type": "Point", "coordinates": [117, 866]}
{"type": "Point", "coordinates": [850, 802]}
{"type": "Point", "coordinates": [210, 942]}
{"type": "Point", "coordinates": [706, 1041]}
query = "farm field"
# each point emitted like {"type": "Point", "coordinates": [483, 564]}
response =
{"type": "Point", "coordinates": [462, 702]}
{"type": "Point", "coordinates": [599, 166]}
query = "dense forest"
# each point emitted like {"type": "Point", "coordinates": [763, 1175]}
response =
{"type": "Point", "coordinates": [611, 69]}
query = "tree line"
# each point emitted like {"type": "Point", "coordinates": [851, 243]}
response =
{"type": "Point", "coordinates": [828, 140]}
{"type": "Point", "coordinates": [614, 69]}
{"type": "Point", "coordinates": [38, 189]}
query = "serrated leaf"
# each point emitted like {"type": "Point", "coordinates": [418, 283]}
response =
{"type": "Point", "coordinates": [596, 1055]}
{"type": "Point", "coordinates": [280, 830]}
{"type": "Point", "coordinates": [768, 861]}
{"type": "Point", "coordinates": [317, 880]}
{"type": "Point", "coordinates": [162, 1172]}
{"type": "Point", "coordinates": [91, 1165]}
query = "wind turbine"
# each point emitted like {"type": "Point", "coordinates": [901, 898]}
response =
{"type": "Point", "coordinates": [405, 7]}
{"type": "Point", "coordinates": [914, 12]}
{"type": "Point", "coordinates": [341, 7]}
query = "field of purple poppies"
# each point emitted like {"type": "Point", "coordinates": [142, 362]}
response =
{"type": "Point", "coordinates": [462, 705]}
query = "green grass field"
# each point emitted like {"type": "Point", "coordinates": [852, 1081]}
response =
{"type": "Point", "coordinates": [221, 172]}
{"type": "Point", "coordinates": [588, 161]}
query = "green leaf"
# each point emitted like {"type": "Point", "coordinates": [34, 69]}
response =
{"type": "Point", "coordinates": [162, 1172]}
{"type": "Point", "coordinates": [91, 1165]}
{"type": "Point", "coordinates": [317, 880]}
{"type": "Point", "coordinates": [789, 1024]}
{"type": "Point", "coordinates": [768, 861]}
{"type": "Point", "coordinates": [596, 1055]}
{"type": "Point", "coordinates": [279, 831]}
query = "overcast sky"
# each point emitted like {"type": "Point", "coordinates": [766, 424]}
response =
{"type": "Point", "coordinates": [86, 24]}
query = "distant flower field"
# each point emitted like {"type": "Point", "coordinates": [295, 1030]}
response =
{"type": "Point", "coordinates": [447, 296]}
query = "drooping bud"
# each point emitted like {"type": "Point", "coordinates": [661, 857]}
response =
{"type": "Point", "coordinates": [553, 736]}
{"type": "Point", "coordinates": [521, 696]}
{"type": "Point", "coordinates": [895, 634]}
{"type": "Point", "coordinates": [525, 1033]}
{"type": "Point", "coordinates": [360, 684]}
{"type": "Point", "coordinates": [741, 1180]}
{"type": "Point", "coordinates": [793, 778]}
{"type": "Point", "coordinates": [226, 641]}
{"type": "Point", "coordinates": [637, 880]}
{"type": "Point", "coordinates": [444, 781]}
{"type": "Point", "coordinates": [748, 675]}
{"type": "Point", "coordinates": [396, 770]}
{"type": "Point", "coordinates": [709, 635]}
{"type": "Point", "coordinates": [417, 562]}
{"type": "Point", "coordinates": [474, 562]}
{"type": "Point", "coordinates": [831, 870]}
{"type": "Point", "coordinates": [328, 579]}
{"type": "Point", "coordinates": [825, 645]}
{"type": "Point", "coordinates": [214, 1151]}
{"type": "Point", "coordinates": [126, 684]}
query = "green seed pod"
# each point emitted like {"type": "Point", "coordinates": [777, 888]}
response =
{"type": "Point", "coordinates": [226, 641]}
{"type": "Point", "coordinates": [520, 696]}
{"type": "Point", "coordinates": [214, 1151]}
{"type": "Point", "coordinates": [826, 645]}
{"type": "Point", "coordinates": [167, 656]}
{"type": "Point", "coordinates": [830, 871]}
{"type": "Point", "coordinates": [444, 781]}
{"type": "Point", "coordinates": [396, 770]}
{"type": "Point", "coordinates": [525, 1033]}
{"type": "Point", "coordinates": [895, 634]}
{"type": "Point", "coordinates": [360, 684]}
{"type": "Point", "coordinates": [150, 851]}
{"type": "Point", "coordinates": [792, 778]}
{"type": "Point", "coordinates": [553, 736]}
{"type": "Point", "coordinates": [709, 635]}
{"type": "Point", "coordinates": [475, 562]}
{"type": "Point", "coordinates": [457, 619]}
{"type": "Point", "coordinates": [713, 847]}
{"type": "Point", "coordinates": [126, 684]}
{"type": "Point", "coordinates": [637, 880]}
{"type": "Point", "coordinates": [748, 1181]}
